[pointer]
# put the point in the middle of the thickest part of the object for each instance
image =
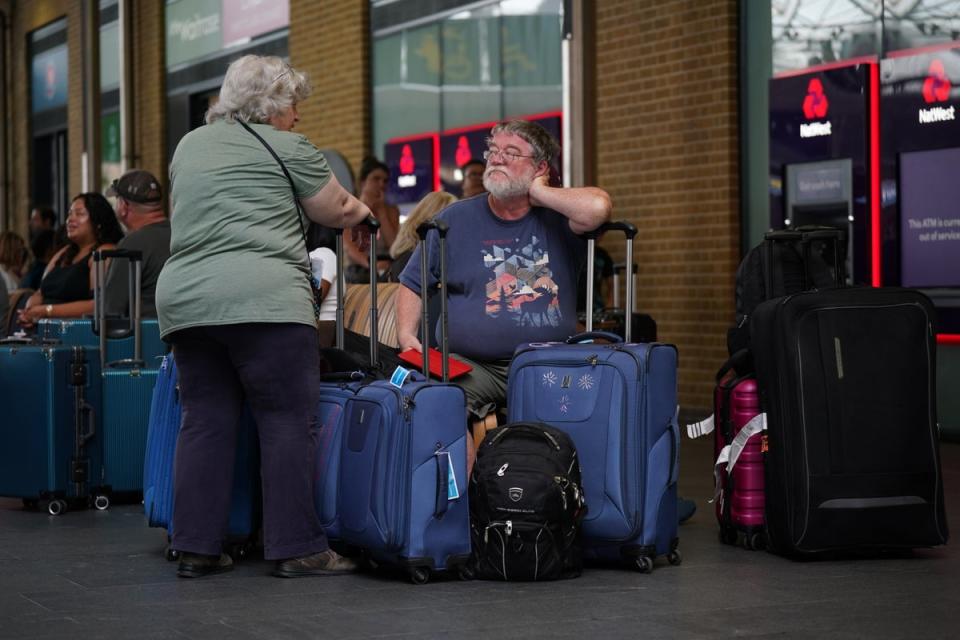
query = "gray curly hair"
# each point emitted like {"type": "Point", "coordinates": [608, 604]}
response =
{"type": "Point", "coordinates": [256, 88]}
{"type": "Point", "coordinates": [545, 148]}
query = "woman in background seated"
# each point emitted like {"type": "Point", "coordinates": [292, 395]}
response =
{"type": "Point", "coordinates": [43, 246]}
{"type": "Point", "coordinates": [66, 290]}
{"type": "Point", "coordinates": [402, 247]}
{"type": "Point", "coordinates": [13, 251]}
{"type": "Point", "coordinates": [372, 191]}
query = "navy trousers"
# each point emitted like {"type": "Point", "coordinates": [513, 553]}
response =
{"type": "Point", "coordinates": [275, 368]}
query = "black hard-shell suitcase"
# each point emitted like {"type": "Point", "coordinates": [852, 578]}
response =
{"type": "Point", "coordinates": [847, 379]}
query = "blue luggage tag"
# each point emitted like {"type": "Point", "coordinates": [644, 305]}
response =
{"type": "Point", "coordinates": [453, 492]}
{"type": "Point", "coordinates": [399, 376]}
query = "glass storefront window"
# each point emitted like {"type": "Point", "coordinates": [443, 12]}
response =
{"type": "Point", "coordinates": [923, 23]}
{"type": "Point", "coordinates": [807, 33]}
{"type": "Point", "coordinates": [466, 67]}
{"type": "Point", "coordinates": [812, 32]}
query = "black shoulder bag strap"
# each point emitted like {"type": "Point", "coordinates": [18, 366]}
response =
{"type": "Point", "coordinates": [314, 284]}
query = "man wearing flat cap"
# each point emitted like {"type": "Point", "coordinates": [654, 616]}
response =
{"type": "Point", "coordinates": [140, 210]}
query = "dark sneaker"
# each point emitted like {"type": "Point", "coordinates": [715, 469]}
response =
{"type": "Point", "coordinates": [685, 509]}
{"type": "Point", "coordinates": [325, 563]}
{"type": "Point", "coordinates": [196, 565]}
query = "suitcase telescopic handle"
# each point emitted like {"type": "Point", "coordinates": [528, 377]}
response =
{"type": "Point", "coordinates": [629, 231]}
{"type": "Point", "coordinates": [373, 225]}
{"type": "Point", "coordinates": [99, 323]}
{"type": "Point", "coordinates": [425, 227]}
{"type": "Point", "coordinates": [422, 230]}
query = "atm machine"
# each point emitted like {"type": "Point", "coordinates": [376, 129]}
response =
{"type": "Point", "coordinates": [920, 218]}
{"type": "Point", "coordinates": [823, 161]}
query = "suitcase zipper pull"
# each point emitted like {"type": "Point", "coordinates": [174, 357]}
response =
{"type": "Point", "coordinates": [407, 407]}
{"type": "Point", "coordinates": [509, 528]}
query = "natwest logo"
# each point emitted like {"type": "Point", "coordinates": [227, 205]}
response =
{"type": "Point", "coordinates": [815, 105]}
{"type": "Point", "coordinates": [936, 88]}
{"type": "Point", "coordinates": [407, 165]}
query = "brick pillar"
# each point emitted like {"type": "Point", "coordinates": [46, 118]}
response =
{"type": "Point", "coordinates": [149, 100]}
{"type": "Point", "coordinates": [667, 151]}
{"type": "Point", "coordinates": [330, 41]}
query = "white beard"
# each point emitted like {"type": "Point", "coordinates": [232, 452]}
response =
{"type": "Point", "coordinates": [505, 187]}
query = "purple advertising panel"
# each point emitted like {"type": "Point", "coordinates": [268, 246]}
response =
{"type": "Point", "coordinates": [412, 163]}
{"type": "Point", "coordinates": [458, 146]}
{"type": "Point", "coordinates": [245, 19]}
{"type": "Point", "coordinates": [920, 100]}
{"type": "Point", "coordinates": [930, 218]}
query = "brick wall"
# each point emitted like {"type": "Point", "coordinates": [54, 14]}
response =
{"type": "Point", "coordinates": [667, 151]}
{"type": "Point", "coordinates": [329, 40]}
{"type": "Point", "coordinates": [150, 122]}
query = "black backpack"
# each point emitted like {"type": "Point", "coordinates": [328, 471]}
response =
{"type": "Point", "coordinates": [526, 505]}
{"type": "Point", "coordinates": [786, 262]}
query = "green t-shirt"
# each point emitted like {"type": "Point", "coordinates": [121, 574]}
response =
{"type": "Point", "coordinates": [236, 251]}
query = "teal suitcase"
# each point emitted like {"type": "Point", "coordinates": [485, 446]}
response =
{"type": "Point", "coordinates": [52, 447]}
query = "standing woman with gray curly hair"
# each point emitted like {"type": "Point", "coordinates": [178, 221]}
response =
{"type": "Point", "coordinates": [235, 301]}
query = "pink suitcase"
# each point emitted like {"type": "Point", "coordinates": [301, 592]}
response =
{"type": "Point", "coordinates": [740, 494]}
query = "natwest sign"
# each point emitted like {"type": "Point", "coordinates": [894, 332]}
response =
{"type": "Point", "coordinates": [815, 105]}
{"type": "Point", "coordinates": [936, 88]}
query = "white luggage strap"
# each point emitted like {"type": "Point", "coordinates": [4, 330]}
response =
{"type": "Point", "coordinates": [701, 428]}
{"type": "Point", "coordinates": [731, 453]}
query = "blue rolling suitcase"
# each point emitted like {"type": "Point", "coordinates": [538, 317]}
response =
{"type": "Point", "coordinates": [164, 427]}
{"type": "Point", "coordinates": [618, 402]}
{"type": "Point", "coordinates": [403, 483]}
{"type": "Point", "coordinates": [51, 402]}
{"type": "Point", "coordinates": [336, 389]}
{"type": "Point", "coordinates": [128, 384]}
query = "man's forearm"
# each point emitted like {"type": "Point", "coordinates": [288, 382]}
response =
{"type": "Point", "coordinates": [409, 308]}
{"type": "Point", "coordinates": [586, 207]}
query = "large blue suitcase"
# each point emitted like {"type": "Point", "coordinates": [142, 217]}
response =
{"type": "Point", "coordinates": [403, 475]}
{"type": "Point", "coordinates": [618, 402]}
{"type": "Point", "coordinates": [127, 380]}
{"type": "Point", "coordinates": [329, 424]}
{"type": "Point", "coordinates": [127, 394]}
{"type": "Point", "coordinates": [51, 402]}
{"type": "Point", "coordinates": [334, 392]}
{"type": "Point", "coordinates": [402, 496]}
{"type": "Point", "coordinates": [164, 427]}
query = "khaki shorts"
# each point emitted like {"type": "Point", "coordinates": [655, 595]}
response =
{"type": "Point", "coordinates": [485, 386]}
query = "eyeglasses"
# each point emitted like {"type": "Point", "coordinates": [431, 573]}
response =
{"type": "Point", "coordinates": [506, 156]}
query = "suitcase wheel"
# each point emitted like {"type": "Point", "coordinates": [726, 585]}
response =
{"type": "Point", "coordinates": [171, 554]}
{"type": "Point", "coordinates": [466, 573]}
{"type": "Point", "coordinates": [755, 541]}
{"type": "Point", "coordinates": [57, 507]}
{"type": "Point", "coordinates": [643, 564]}
{"type": "Point", "coordinates": [674, 557]}
{"type": "Point", "coordinates": [419, 575]}
{"type": "Point", "coordinates": [101, 503]}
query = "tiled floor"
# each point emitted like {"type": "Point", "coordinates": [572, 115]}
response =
{"type": "Point", "coordinates": [92, 574]}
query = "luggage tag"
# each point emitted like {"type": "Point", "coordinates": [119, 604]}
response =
{"type": "Point", "coordinates": [399, 376]}
{"type": "Point", "coordinates": [453, 492]}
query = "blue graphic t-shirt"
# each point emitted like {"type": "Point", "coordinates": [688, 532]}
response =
{"type": "Point", "coordinates": [509, 282]}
